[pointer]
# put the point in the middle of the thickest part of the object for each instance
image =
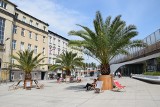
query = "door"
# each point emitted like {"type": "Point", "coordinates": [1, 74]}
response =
{"type": "Point", "coordinates": [42, 75]}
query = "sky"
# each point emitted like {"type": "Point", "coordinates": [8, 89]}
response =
{"type": "Point", "coordinates": [63, 15]}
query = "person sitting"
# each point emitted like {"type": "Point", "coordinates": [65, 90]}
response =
{"type": "Point", "coordinates": [88, 85]}
{"type": "Point", "coordinates": [78, 80]}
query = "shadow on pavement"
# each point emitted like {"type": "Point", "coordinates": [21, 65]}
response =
{"type": "Point", "coordinates": [76, 88]}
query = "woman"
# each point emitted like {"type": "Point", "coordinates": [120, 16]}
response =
{"type": "Point", "coordinates": [88, 85]}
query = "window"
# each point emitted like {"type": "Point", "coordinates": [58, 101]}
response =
{"type": "Point", "coordinates": [43, 39]}
{"type": "Point", "coordinates": [12, 61]}
{"type": "Point", "coordinates": [58, 43]}
{"type": "Point", "coordinates": [58, 51]}
{"type": "Point", "coordinates": [50, 40]}
{"type": "Point", "coordinates": [36, 37]}
{"type": "Point", "coordinates": [44, 28]}
{"type": "Point", "coordinates": [14, 29]}
{"type": "Point", "coordinates": [50, 51]}
{"type": "Point", "coordinates": [24, 19]}
{"type": "Point", "coordinates": [22, 46]}
{"type": "Point", "coordinates": [54, 39]}
{"type": "Point", "coordinates": [29, 47]}
{"type": "Point", "coordinates": [30, 34]}
{"type": "Point", "coordinates": [2, 26]}
{"type": "Point", "coordinates": [44, 51]}
{"type": "Point", "coordinates": [63, 44]}
{"type": "Point", "coordinates": [22, 32]}
{"type": "Point", "coordinates": [50, 60]}
{"type": "Point", "coordinates": [21, 76]}
{"type": "Point", "coordinates": [16, 15]}
{"type": "Point", "coordinates": [3, 4]}
{"type": "Point", "coordinates": [37, 24]}
{"type": "Point", "coordinates": [36, 49]}
{"type": "Point", "coordinates": [14, 44]}
{"type": "Point", "coordinates": [54, 50]}
{"type": "Point", "coordinates": [31, 21]}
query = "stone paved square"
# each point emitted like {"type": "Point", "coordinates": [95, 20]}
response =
{"type": "Point", "coordinates": [136, 94]}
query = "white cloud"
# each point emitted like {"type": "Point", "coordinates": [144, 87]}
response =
{"type": "Point", "coordinates": [60, 19]}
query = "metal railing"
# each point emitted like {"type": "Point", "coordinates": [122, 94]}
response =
{"type": "Point", "coordinates": [153, 42]}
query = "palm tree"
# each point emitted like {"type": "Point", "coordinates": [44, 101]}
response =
{"type": "Point", "coordinates": [93, 65]}
{"type": "Point", "coordinates": [87, 65]}
{"type": "Point", "coordinates": [26, 62]}
{"type": "Point", "coordinates": [108, 39]}
{"type": "Point", "coordinates": [67, 61]}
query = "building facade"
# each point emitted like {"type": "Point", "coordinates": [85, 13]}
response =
{"type": "Point", "coordinates": [7, 11]}
{"type": "Point", "coordinates": [57, 45]}
{"type": "Point", "coordinates": [20, 31]}
{"type": "Point", "coordinates": [30, 33]}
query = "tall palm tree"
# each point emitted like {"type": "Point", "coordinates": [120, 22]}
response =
{"type": "Point", "coordinates": [27, 62]}
{"type": "Point", "coordinates": [93, 65]}
{"type": "Point", "coordinates": [108, 39]}
{"type": "Point", "coordinates": [67, 61]}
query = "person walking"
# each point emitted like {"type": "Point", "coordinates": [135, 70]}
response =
{"type": "Point", "coordinates": [119, 74]}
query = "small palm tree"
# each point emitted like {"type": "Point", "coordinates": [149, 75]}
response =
{"type": "Point", "coordinates": [108, 39]}
{"type": "Point", "coordinates": [67, 61]}
{"type": "Point", "coordinates": [26, 62]}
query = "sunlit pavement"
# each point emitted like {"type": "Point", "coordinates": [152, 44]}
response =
{"type": "Point", "coordinates": [136, 94]}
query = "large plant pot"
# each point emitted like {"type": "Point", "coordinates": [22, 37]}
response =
{"type": "Point", "coordinates": [27, 84]}
{"type": "Point", "coordinates": [107, 82]}
{"type": "Point", "coordinates": [68, 78]}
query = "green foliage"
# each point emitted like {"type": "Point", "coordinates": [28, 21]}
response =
{"type": "Point", "coordinates": [26, 61]}
{"type": "Point", "coordinates": [109, 38]}
{"type": "Point", "coordinates": [67, 61]}
{"type": "Point", "coordinates": [155, 73]}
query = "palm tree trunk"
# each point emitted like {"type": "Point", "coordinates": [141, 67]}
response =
{"type": "Point", "coordinates": [105, 69]}
{"type": "Point", "coordinates": [68, 72]}
{"type": "Point", "coordinates": [28, 76]}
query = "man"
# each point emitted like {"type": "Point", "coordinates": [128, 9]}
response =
{"type": "Point", "coordinates": [88, 85]}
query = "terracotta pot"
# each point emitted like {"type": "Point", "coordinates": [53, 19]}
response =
{"type": "Point", "coordinates": [107, 82]}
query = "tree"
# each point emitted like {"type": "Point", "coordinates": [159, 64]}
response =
{"type": "Point", "coordinates": [108, 39]}
{"type": "Point", "coordinates": [93, 65]}
{"type": "Point", "coordinates": [27, 62]}
{"type": "Point", "coordinates": [67, 61]}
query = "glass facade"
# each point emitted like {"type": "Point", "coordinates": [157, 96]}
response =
{"type": "Point", "coordinates": [2, 26]}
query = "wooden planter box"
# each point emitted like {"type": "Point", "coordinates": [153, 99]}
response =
{"type": "Point", "coordinates": [107, 82]}
{"type": "Point", "coordinates": [27, 84]}
{"type": "Point", "coordinates": [67, 78]}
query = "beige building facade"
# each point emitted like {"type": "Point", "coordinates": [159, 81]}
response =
{"type": "Point", "coordinates": [30, 33]}
{"type": "Point", "coordinates": [20, 31]}
{"type": "Point", "coordinates": [7, 10]}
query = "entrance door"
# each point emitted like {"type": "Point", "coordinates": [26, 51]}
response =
{"type": "Point", "coordinates": [59, 75]}
{"type": "Point", "coordinates": [42, 75]}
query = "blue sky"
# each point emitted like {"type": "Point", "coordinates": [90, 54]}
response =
{"type": "Point", "coordinates": [62, 15]}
